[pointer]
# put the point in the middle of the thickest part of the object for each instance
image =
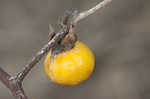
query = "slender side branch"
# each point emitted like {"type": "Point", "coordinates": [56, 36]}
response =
{"type": "Point", "coordinates": [84, 14]}
{"type": "Point", "coordinates": [42, 52]}
{"type": "Point", "coordinates": [14, 83]}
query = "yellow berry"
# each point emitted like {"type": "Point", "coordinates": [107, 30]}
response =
{"type": "Point", "coordinates": [70, 67]}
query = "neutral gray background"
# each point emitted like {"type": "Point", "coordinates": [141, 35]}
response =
{"type": "Point", "coordinates": [119, 35]}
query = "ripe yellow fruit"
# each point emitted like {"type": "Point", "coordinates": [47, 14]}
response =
{"type": "Point", "coordinates": [70, 67]}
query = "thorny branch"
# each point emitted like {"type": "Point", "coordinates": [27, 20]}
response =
{"type": "Point", "coordinates": [14, 83]}
{"type": "Point", "coordinates": [42, 52]}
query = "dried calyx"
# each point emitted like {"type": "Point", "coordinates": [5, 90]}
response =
{"type": "Point", "coordinates": [68, 42]}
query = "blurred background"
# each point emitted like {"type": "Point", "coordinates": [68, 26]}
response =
{"type": "Point", "coordinates": [119, 35]}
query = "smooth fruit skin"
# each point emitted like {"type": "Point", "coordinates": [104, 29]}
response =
{"type": "Point", "coordinates": [70, 67]}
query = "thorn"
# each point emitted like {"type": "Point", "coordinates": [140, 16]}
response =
{"type": "Point", "coordinates": [71, 30]}
{"type": "Point", "coordinates": [51, 31]}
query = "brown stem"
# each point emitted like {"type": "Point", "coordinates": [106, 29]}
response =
{"type": "Point", "coordinates": [42, 52]}
{"type": "Point", "coordinates": [14, 83]}
{"type": "Point", "coordinates": [4, 77]}
{"type": "Point", "coordinates": [11, 83]}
